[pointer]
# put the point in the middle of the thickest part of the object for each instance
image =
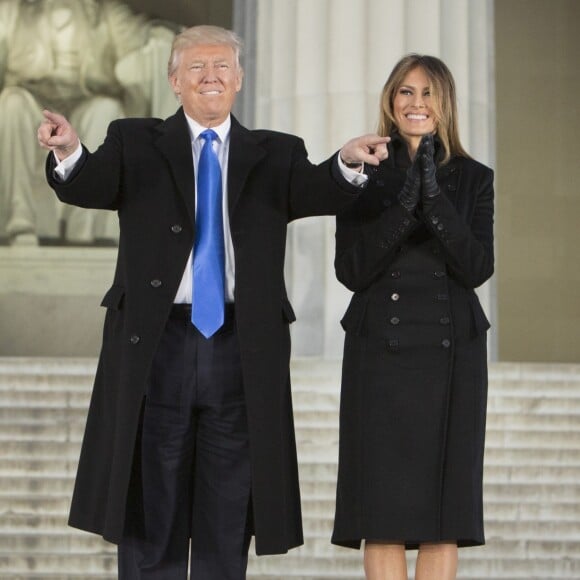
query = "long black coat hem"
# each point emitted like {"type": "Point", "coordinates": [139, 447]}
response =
{"type": "Point", "coordinates": [410, 544]}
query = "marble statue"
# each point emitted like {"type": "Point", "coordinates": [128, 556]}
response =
{"type": "Point", "coordinates": [91, 60]}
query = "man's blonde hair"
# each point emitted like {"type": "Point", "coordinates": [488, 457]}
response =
{"type": "Point", "coordinates": [205, 34]}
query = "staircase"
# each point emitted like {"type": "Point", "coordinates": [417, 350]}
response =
{"type": "Point", "coordinates": [532, 476]}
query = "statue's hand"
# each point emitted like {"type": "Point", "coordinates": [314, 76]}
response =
{"type": "Point", "coordinates": [57, 134]}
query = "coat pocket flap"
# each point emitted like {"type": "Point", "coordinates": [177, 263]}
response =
{"type": "Point", "coordinates": [354, 317]}
{"type": "Point", "coordinates": [288, 311]}
{"type": "Point", "coordinates": [480, 322]}
{"type": "Point", "coordinates": [114, 297]}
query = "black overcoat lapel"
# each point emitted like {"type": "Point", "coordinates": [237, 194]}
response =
{"type": "Point", "coordinates": [174, 143]}
{"type": "Point", "coordinates": [245, 153]}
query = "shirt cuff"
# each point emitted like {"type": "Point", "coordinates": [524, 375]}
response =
{"type": "Point", "coordinates": [64, 168]}
{"type": "Point", "coordinates": [351, 175]}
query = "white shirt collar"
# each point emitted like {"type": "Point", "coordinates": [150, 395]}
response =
{"type": "Point", "coordinates": [223, 130]}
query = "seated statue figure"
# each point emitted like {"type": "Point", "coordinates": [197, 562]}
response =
{"type": "Point", "coordinates": [91, 60]}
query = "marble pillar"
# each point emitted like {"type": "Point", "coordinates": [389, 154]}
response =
{"type": "Point", "coordinates": [320, 68]}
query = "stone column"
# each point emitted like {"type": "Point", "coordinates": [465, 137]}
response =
{"type": "Point", "coordinates": [321, 65]}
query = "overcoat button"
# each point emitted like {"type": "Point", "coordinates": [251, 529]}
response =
{"type": "Point", "coordinates": [394, 320]}
{"type": "Point", "coordinates": [440, 227]}
{"type": "Point", "coordinates": [438, 274]}
{"type": "Point", "coordinates": [387, 202]}
{"type": "Point", "coordinates": [442, 297]}
{"type": "Point", "coordinates": [393, 343]}
{"type": "Point", "coordinates": [434, 219]}
{"type": "Point", "coordinates": [155, 283]}
{"type": "Point", "coordinates": [451, 187]}
{"type": "Point", "coordinates": [445, 343]}
{"type": "Point", "coordinates": [395, 297]}
{"type": "Point", "coordinates": [395, 274]}
{"type": "Point", "coordinates": [406, 221]}
{"type": "Point", "coordinates": [135, 339]}
{"type": "Point", "coordinates": [176, 228]}
{"type": "Point", "coordinates": [444, 320]}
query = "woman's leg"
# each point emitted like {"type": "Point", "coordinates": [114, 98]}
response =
{"type": "Point", "coordinates": [385, 561]}
{"type": "Point", "coordinates": [436, 561]}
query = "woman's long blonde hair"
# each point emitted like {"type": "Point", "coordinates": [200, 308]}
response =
{"type": "Point", "coordinates": [443, 98]}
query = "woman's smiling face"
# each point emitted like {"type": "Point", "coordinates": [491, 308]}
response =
{"type": "Point", "coordinates": [413, 107]}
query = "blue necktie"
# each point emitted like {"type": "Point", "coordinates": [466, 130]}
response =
{"type": "Point", "coordinates": [207, 304]}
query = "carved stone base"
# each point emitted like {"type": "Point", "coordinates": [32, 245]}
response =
{"type": "Point", "coordinates": [49, 299]}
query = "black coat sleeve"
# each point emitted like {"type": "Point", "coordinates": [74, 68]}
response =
{"type": "Point", "coordinates": [95, 180]}
{"type": "Point", "coordinates": [467, 239]}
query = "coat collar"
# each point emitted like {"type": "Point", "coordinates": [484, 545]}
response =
{"type": "Point", "coordinates": [174, 143]}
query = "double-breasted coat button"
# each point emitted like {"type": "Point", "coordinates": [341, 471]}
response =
{"type": "Point", "coordinates": [444, 320]}
{"type": "Point", "coordinates": [176, 229]}
{"type": "Point", "coordinates": [451, 187]}
{"type": "Point", "coordinates": [395, 274]}
{"type": "Point", "coordinates": [438, 274]}
{"type": "Point", "coordinates": [434, 219]}
{"type": "Point", "coordinates": [406, 221]}
{"type": "Point", "coordinates": [445, 343]}
{"type": "Point", "coordinates": [387, 202]}
{"type": "Point", "coordinates": [440, 227]}
{"type": "Point", "coordinates": [394, 320]}
{"type": "Point", "coordinates": [156, 283]}
{"type": "Point", "coordinates": [393, 343]}
{"type": "Point", "coordinates": [134, 339]}
{"type": "Point", "coordinates": [395, 296]}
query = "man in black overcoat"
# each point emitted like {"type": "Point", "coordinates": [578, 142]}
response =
{"type": "Point", "coordinates": [190, 432]}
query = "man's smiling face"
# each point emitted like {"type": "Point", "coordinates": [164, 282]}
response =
{"type": "Point", "coordinates": [207, 80]}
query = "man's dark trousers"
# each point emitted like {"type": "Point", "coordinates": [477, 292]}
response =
{"type": "Point", "coordinates": [192, 475]}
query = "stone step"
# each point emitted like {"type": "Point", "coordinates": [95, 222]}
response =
{"type": "Point", "coordinates": [38, 387]}
{"type": "Point", "coordinates": [319, 482]}
{"type": "Point", "coordinates": [316, 448]}
{"type": "Point", "coordinates": [311, 371]}
{"type": "Point", "coordinates": [532, 489]}
{"type": "Point", "coordinates": [49, 464]}
{"type": "Point", "coordinates": [535, 372]}
{"type": "Point", "coordinates": [314, 445]}
{"type": "Point", "coordinates": [500, 509]}
{"type": "Point", "coordinates": [514, 492]}
{"type": "Point", "coordinates": [317, 529]}
{"type": "Point", "coordinates": [42, 431]}
{"type": "Point", "coordinates": [550, 560]}
{"type": "Point", "coordinates": [323, 508]}
{"type": "Point", "coordinates": [34, 415]}
{"type": "Point", "coordinates": [50, 423]}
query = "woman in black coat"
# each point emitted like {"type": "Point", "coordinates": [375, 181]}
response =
{"type": "Point", "coordinates": [414, 383]}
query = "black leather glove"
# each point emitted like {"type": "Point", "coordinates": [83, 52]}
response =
{"type": "Point", "coordinates": [409, 194]}
{"type": "Point", "coordinates": [429, 186]}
